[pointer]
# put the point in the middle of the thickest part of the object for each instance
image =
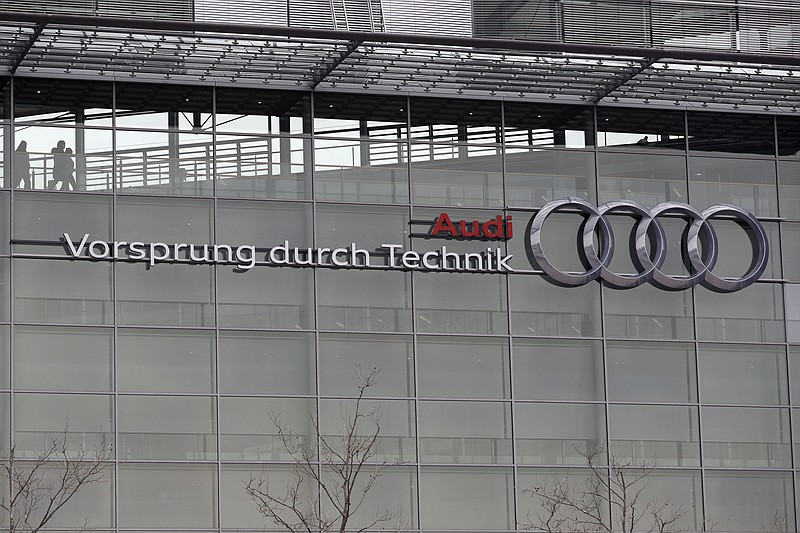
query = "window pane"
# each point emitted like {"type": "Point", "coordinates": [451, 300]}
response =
{"type": "Point", "coordinates": [647, 312]}
{"type": "Point", "coordinates": [264, 224]}
{"type": "Point", "coordinates": [167, 427]}
{"type": "Point", "coordinates": [790, 240]}
{"type": "Point", "coordinates": [644, 178]}
{"type": "Point", "coordinates": [465, 432]}
{"type": "Point", "coordinates": [266, 363]}
{"type": "Point", "coordinates": [262, 111]}
{"type": "Point", "coordinates": [173, 107]}
{"type": "Point", "coordinates": [557, 370]}
{"type": "Point", "coordinates": [66, 292]}
{"type": "Point", "coordinates": [546, 125]}
{"type": "Point", "coordinates": [789, 179]}
{"type": "Point", "coordinates": [5, 221]}
{"type": "Point", "coordinates": [743, 374]}
{"type": "Point", "coordinates": [731, 133]}
{"type": "Point", "coordinates": [735, 252]}
{"type": "Point", "coordinates": [164, 220]}
{"type": "Point", "coordinates": [749, 184]}
{"type": "Point", "coordinates": [361, 300]}
{"type": "Point", "coordinates": [535, 177]}
{"type": "Point", "coordinates": [539, 308]}
{"type": "Point", "coordinates": [70, 359]}
{"type": "Point", "coordinates": [657, 435]}
{"type": "Point", "coordinates": [751, 314]}
{"type": "Point", "coordinates": [341, 357]}
{"type": "Point", "coordinates": [359, 171]}
{"type": "Point", "coordinates": [46, 217]}
{"type": "Point", "coordinates": [165, 295]}
{"type": "Point", "coordinates": [178, 496]}
{"type": "Point", "coordinates": [266, 297]}
{"type": "Point", "coordinates": [640, 129]}
{"type": "Point", "coordinates": [553, 434]}
{"type": "Point", "coordinates": [651, 372]}
{"type": "Point", "coordinates": [456, 175]}
{"type": "Point", "coordinates": [739, 437]}
{"type": "Point", "coordinates": [248, 430]}
{"type": "Point", "coordinates": [5, 358]}
{"type": "Point", "coordinates": [788, 137]}
{"type": "Point", "coordinates": [750, 501]}
{"type": "Point", "coordinates": [455, 120]}
{"type": "Point", "coordinates": [367, 227]}
{"type": "Point", "coordinates": [463, 367]}
{"type": "Point", "coordinates": [395, 435]}
{"type": "Point", "coordinates": [40, 419]}
{"type": "Point", "coordinates": [165, 361]}
{"type": "Point", "coordinates": [793, 311]}
{"type": "Point", "coordinates": [460, 303]}
{"type": "Point", "coordinates": [466, 498]}
{"type": "Point", "coordinates": [63, 102]}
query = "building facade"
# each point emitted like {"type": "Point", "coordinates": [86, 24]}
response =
{"type": "Point", "coordinates": [491, 380]}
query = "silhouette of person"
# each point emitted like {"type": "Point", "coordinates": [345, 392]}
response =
{"type": "Point", "coordinates": [22, 166]}
{"type": "Point", "coordinates": [59, 167]}
{"type": "Point", "coordinates": [69, 171]}
{"type": "Point", "coordinates": [643, 141]}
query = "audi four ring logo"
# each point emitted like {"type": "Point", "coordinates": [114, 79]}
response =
{"type": "Point", "coordinates": [700, 245]}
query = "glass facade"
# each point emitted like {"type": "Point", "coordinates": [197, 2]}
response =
{"type": "Point", "coordinates": [488, 382]}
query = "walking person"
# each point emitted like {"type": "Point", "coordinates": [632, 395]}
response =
{"type": "Point", "coordinates": [22, 166]}
{"type": "Point", "coordinates": [58, 165]}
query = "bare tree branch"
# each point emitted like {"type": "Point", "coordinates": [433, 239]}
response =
{"type": "Point", "coordinates": [38, 488]}
{"type": "Point", "coordinates": [333, 478]}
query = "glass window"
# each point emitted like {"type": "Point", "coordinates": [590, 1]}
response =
{"type": "Point", "coordinates": [63, 159]}
{"type": "Point", "coordinates": [262, 111]}
{"type": "Point", "coordinates": [255, 362]}
{"type": "Point", "coordinates": [391, 421]}
{"type": "Point", "coordinates": [39, 419]}
{"type": "Point", "coordinates": [731, 133]}
{"type": "Point", "coordinates": [647, 312]}
{"type": "Point", "coordinates": [167, 427]}
{"type": "Point", "coordinates": [168, 496]}
{"type": "Point", "coordinates": [735, 253]}
{"type": "Point", "coordinates": [165, 361]}
{"type": "Point", "coordinates": [790, 242]}
{"type": "Point", "coordinates": [535, 177]}
{"type": "Point", "coordinates": [185, 107]}
{"type": "Point", "coordinates": [534, 481]}
{"type": "Point", "coordinates": [238, 510]}
{"type": "Point", "coordinates": [457, 175]}
{"type": "Point", "coordinates": [66, 292]}
{"type": "Point", "coordinates": [746, 437]}
{"type": "Point", "coordinates": [91, 507]}
{"type": "Point", "coordinates": [165, 295]}
{"type": "Point", "coordinates": [359, 171]}
{"type": "Point", "coordinates": [68, 359]}
{"type": "Point", "coordinates": [793, 311]}
{"type": "Point", "coordinates": [463, 367]}
{"type": "Point", "coordinates": [62, 102]}
{"type": "Point", "coordinates": [649, 179]}
{"type": "Point", "coordinates": [343, 357]}
{"type": "Point", "coordinates": [547, 125]}
{"type": "Point", "coordinates": [744, 501]}
{"type": "Point", "coordinates": [657, 435]}
{"type": "Point", "coordinates": [749, 184]}
{"type": "Point", "coordinates": [553, 434]}
{"type": "Point", "coordinates": [466, 498]}
{"type": "Point", "coordinates": [465, 432]}
{"type": "Point", "coordinates": [264, 224]}
{"type": "Point", "coordinates": [651, 372]}
{"type": "Point", "coordinates": [751, 314]}
{"type": "Point", "coordinates": [640, 129]}
{"type": "Point", "coordinates": [359, 115]}
{"type": "Point", "coordinates": [263, 167]}
{"type": "Point", "coordinates": [362, 300]}
{"type": "Point", "coordinates": [547, 369]}
{"type": "Point", "coordinates": [249, 427]}
{"type": "Point", "coordinates": [539, 308]}
{"type": "Point", "coordinates": [266, 298]}
{"type": "Point", "coordinates": [367, 227]}
{"type": "Point", "coordinates": [788, 137]}
{"type": "Point", "coordinates": [164, 220]}
{"type": "Point", "coordinates": [560, 234]}
{"type": "Point", "coordinates": [5, 425]}
{"type": "Point", "coordinates": [731, 373]}
{"type": "Point", "coordinates": [794, 375]}
{"type": "Point", "coordinates": [5, 292]}
{"type": "Point", "coordinates": [789, 184]}
{"type": "Point", "coordinates": [5, 221]}
{"type": "Point", "coordinates": [460, 303]}
{"type": "Point", "coordinates": [42, 220]}
{"type": "Point", "coordinates": [455, 120]}
{"type": "Point", "coordinates": [425, 220]}
{"type": "Point", "coordinates": [5, 358]}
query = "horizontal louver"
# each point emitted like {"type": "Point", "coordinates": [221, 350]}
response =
{"type": "Point", "coordinates": [431, 17]}
{"type": "Point", "coordinates": [151, 9]}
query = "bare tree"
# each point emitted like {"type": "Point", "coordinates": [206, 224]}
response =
{"type": "Point", "coordinates": [619, 487]}
{"type": "Point", "coordinates": [333, 476]}
{"type": "Point", "coordinates": [38, 488]}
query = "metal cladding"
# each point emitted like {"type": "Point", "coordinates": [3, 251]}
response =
{"type": "Point", "coordinates": [700, 245]}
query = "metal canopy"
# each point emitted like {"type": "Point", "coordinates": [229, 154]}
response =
{"type": "Point", "coordinates": [269, 57]}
